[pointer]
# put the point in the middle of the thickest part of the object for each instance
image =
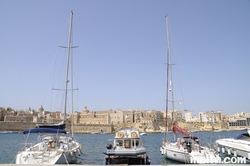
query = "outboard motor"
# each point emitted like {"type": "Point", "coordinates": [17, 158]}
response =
{"type": "Point", "coordinates": [109, 146]}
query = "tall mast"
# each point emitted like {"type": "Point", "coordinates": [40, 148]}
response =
{"type": "Point", "coordinates": [171, 89]}
{"type": "Point", "coordinates": [67, 65]}
{"type": "Point", "coordinates": [168, 52]}
{"type": "Point", "coordinates": [169, 77]}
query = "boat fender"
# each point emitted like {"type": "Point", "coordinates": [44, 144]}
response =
{"type": "Point", "coordinates": [80, 150]}
{"type": "Point", "coordinates": [120, 135]}
{"type": "Point", "coordinates": [161, 150]}
{"type": "Point", "coordinates": [228, 151]}
{"type": "Point", "coordinates": [134, 134]}
{"type": "Point", "coordinates": [218, 149]}
{"type": "Point", "coordinates": [223, 150]}
{"type": "Point", "coordinates": [75, 151]}
{"type": "Point", "coordinates": [148, 161]}
{"type": "Point", "coordinates": [235, 153]}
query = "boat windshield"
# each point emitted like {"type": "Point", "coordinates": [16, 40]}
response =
{"type": "Point", "coordinates": [244, 136]}
{"type": "Point", "coordinates": [127, 143]}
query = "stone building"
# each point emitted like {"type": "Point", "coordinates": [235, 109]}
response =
{"type": "Point", "coordinates": [3, 112]}
{"type": "Point", "coordinates": [41, 115]}
{"type": "Point", "coordinates": [239, 123]}
{"type": "Point", "coordinates": [18, 118]}
{"type": "Point", "coordinates": [175, 115]}
{"type": "Point", "coordinates": [116, 117]}
{"type": "Point", "coordinates": [95, 117]}
{"type": "Point", "coordinates": [188, 117]}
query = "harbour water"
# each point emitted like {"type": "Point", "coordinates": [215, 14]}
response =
{"type": "Point", "coordinates": [94, 144]}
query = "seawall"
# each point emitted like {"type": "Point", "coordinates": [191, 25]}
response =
{"type": "Point", "coordinates": [20, 126]}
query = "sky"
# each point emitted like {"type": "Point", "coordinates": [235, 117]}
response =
{"type": "Point", "coordinates": [120, 61]}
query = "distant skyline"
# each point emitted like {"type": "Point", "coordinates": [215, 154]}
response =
{"type": "Point", "coordinates": [120, 61]}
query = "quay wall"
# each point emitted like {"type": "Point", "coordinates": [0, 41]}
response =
{"type": "Point", "coordinates": [93, 128]}
{"type": "Point", "coordinates": [20, 126]}
{"type": "Point", "coordinates": [16, 126]}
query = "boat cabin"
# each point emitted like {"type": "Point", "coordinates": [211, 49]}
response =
{"type": "Point", "coordinates": [127, 143]}
{"type": "Point", "coordinates": [189, 143]}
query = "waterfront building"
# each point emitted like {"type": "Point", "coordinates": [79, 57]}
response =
{"type": "Point", "coordinates": [144, 120]}
{"type": "Point", "coordinates": [93, 117]}
{"type": "Point", "coordinates": [239, 123]}
{"type": "Point", "coordinates": [210, 116]}
{"type": "Point", "coordinates": [176, 115]}
{"type": "Point", "coordinates": [116, 117]}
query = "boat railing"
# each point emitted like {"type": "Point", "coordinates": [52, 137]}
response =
{"type": "Point", "coordinates": [27, 145]}
{"type": "Point", "coordinates": [238, 141]}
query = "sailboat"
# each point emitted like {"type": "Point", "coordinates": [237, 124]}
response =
{"type": "Point", "coordinates": [54, 146]}
{"type": "Point", "coordinates": [186, 149]}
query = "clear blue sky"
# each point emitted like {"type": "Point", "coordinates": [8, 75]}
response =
{"type": "Point", "coordinates": [122, 51]}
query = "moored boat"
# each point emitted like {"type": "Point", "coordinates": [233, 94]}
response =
{"type": "Point", "coordinates": [61, 125]}
{"type": "Point", "coordinates": [186, 149]}
{"type": "Point", "coordinates": [237, 147]}
{"type": "Point", "coordinates": [53, 146]}
{"type": "Point", "coordinates": [126, 148]}
{"type": "Point", "coordinates": [141, 134]}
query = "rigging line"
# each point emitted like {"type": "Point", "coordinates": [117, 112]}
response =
{"type": "Point", "coordinates": [176, 54]}
{"type": "Point", "coordinates": [180, 83]}
{"type": "Point", "coordinates": [72, 86]}
{"type": "Point", "coordinates": [76, 76]}
{"type": "Point", "coordinates": [50, 77]}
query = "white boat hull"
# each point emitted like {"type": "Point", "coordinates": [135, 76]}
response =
{"type": "Point", "coordinates": [202, 156]}
{"type": "Point", "coordinates": [234, 147]}
{"type": "Point", "coordinates": [39, 158]}
{"type": "Point", "coordinates": [176, 155]}
{"type": "Point", "coordinates": [126, 152]}
{"type": "Point", "coordinates": [40, 155]}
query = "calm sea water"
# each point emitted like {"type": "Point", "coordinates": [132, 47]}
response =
{"type": "Point", "coordinates": [94, 144]}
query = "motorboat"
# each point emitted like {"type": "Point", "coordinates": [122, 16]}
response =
{"type": "Point", "coordinates": [53, 146]}
{"type": "Point", "coordinates": [60, 125]}
{"type": "Point", "coordinates": [237, 147]}
{"type": "Point", "coordinates": [141, 134]}
{"type": "Point", "coordinates": [100, 132]}
{"type": "Point", "coordinates": [186, 149]}
{"type": "Point", "coordinates": [126, 148]}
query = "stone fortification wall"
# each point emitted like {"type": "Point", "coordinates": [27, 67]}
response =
{"type": "Point", "coordinates": [20, 126]}
{"type": "Point", "coordinates": [93, 128]}
{"type": "Point", "coordinates": [16, 126]}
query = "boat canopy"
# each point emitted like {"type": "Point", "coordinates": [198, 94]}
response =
{"type": "Point", "coordinates": [176, 128]}
{"type": "Point", "coordinates": [43, 130]}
